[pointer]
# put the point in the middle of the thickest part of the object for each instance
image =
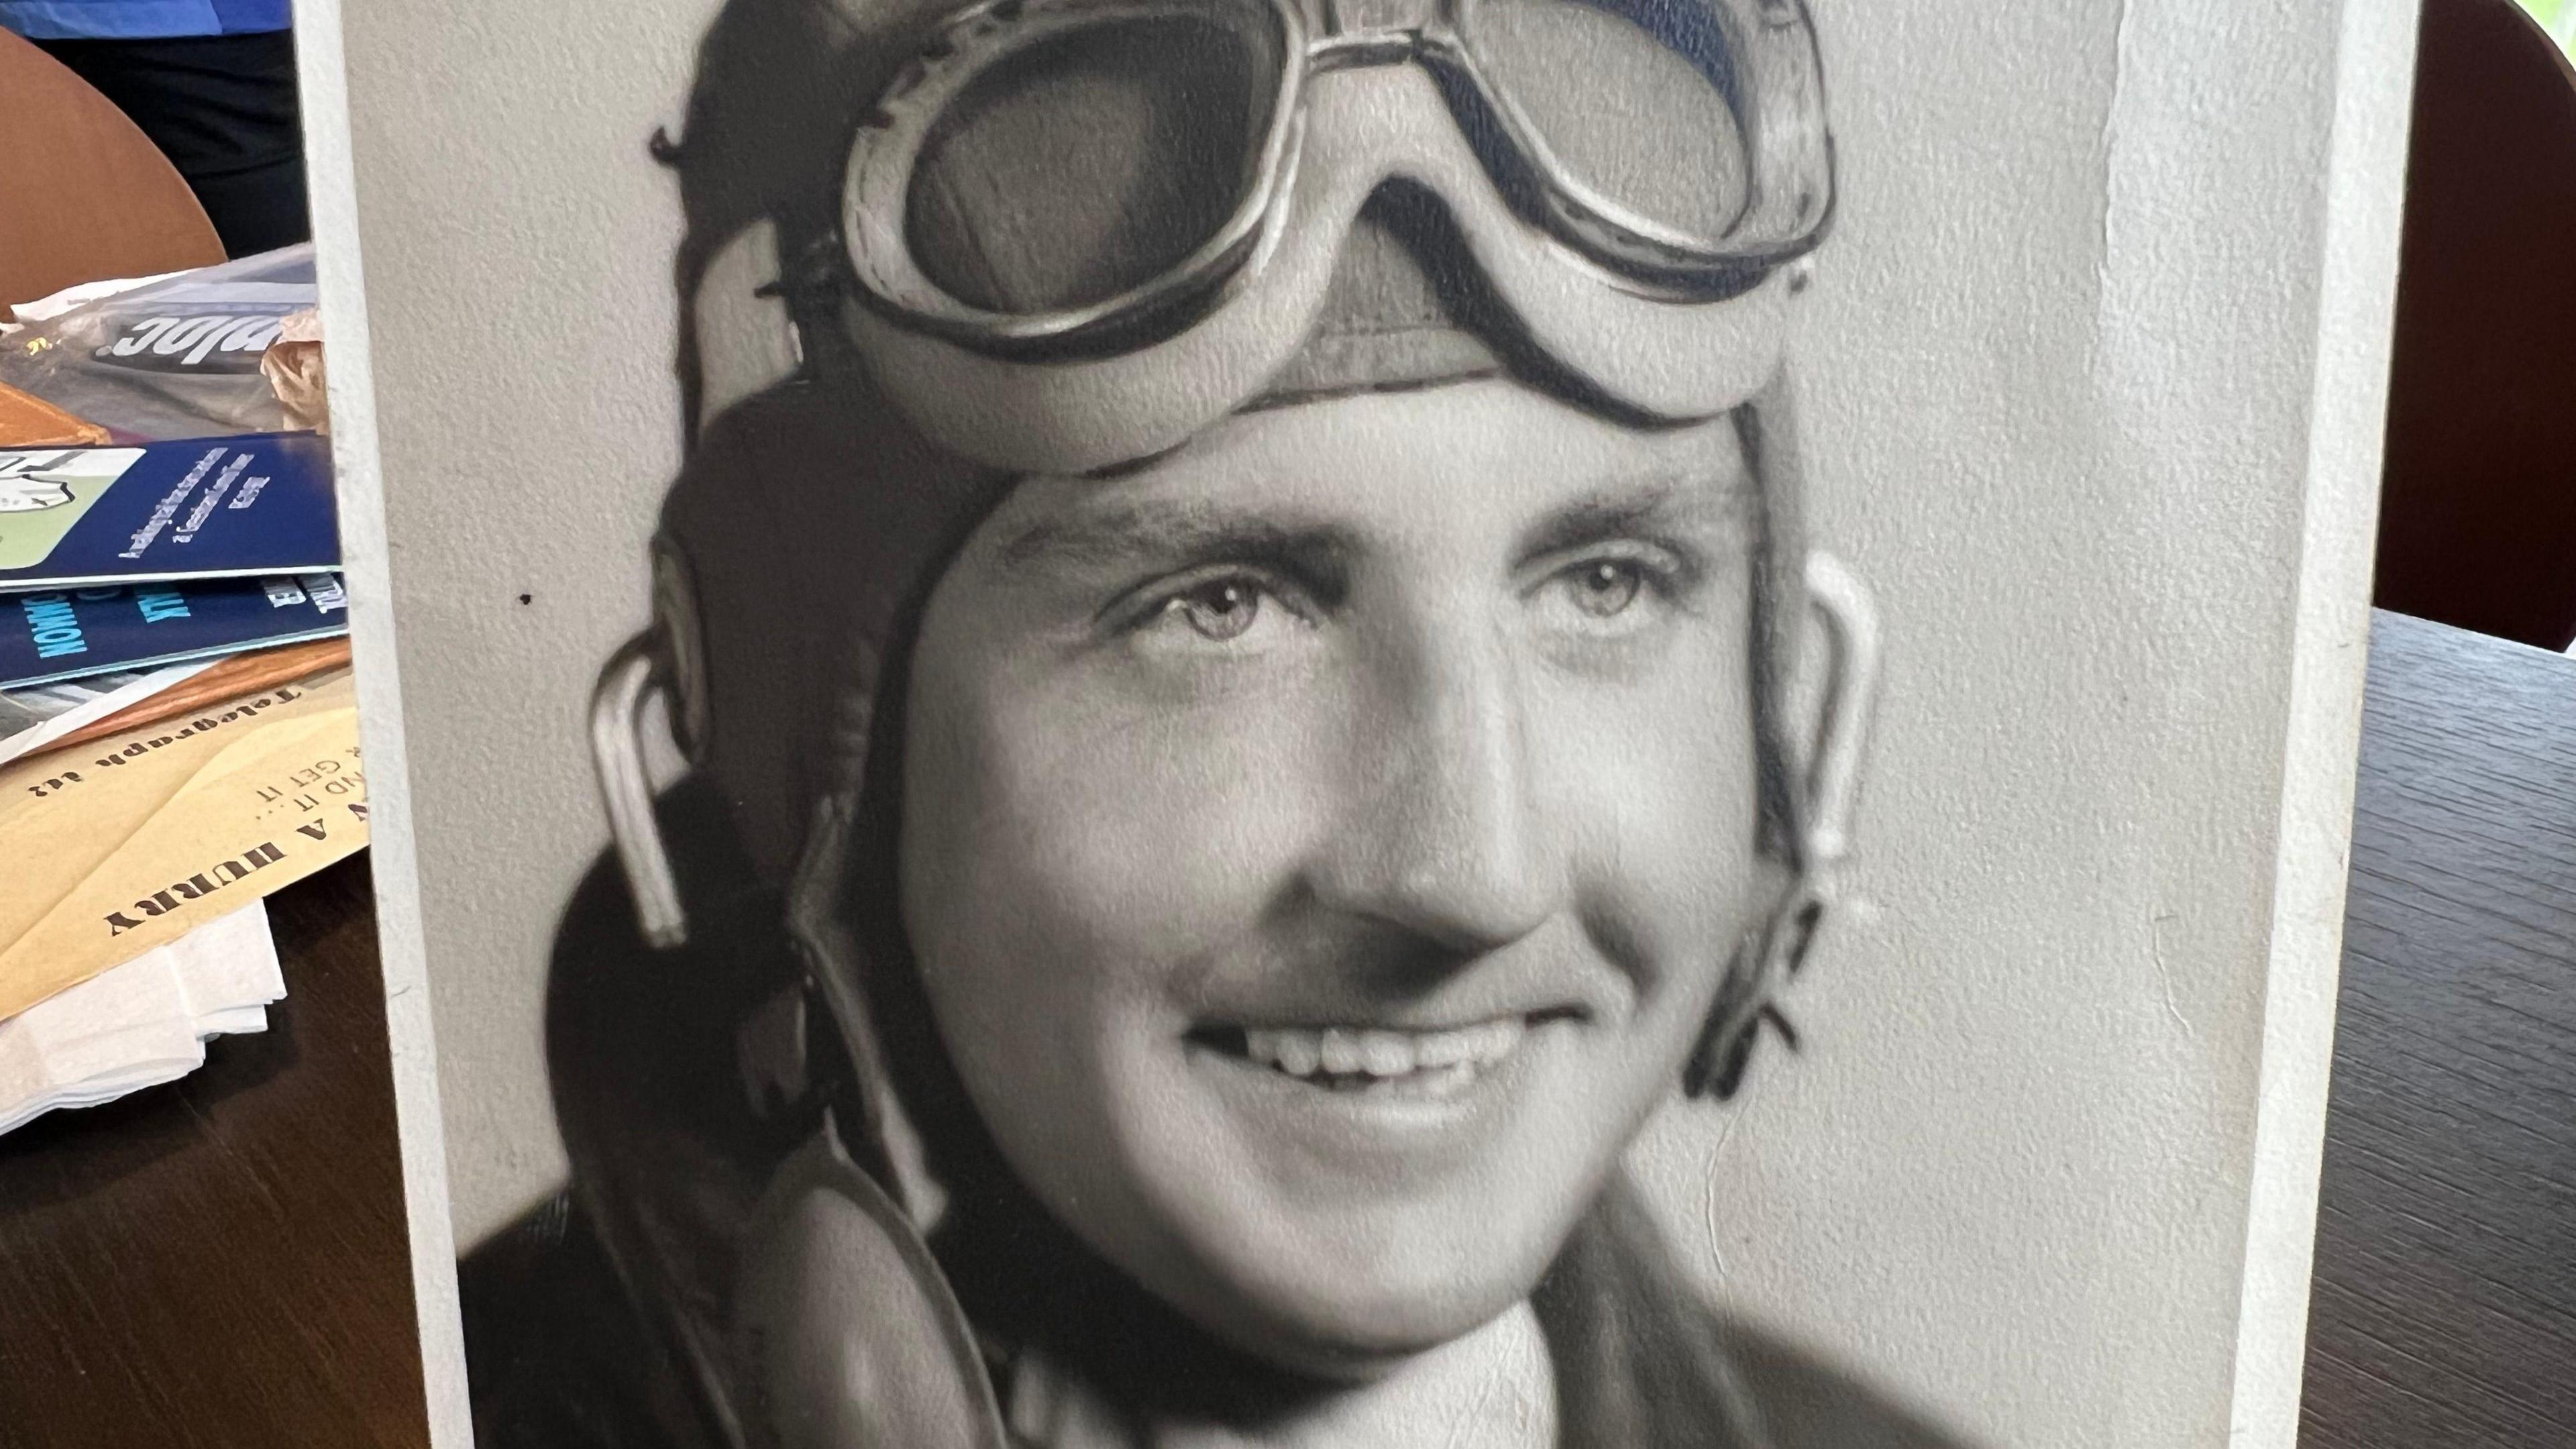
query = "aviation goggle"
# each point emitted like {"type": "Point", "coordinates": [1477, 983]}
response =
{"type": "Point", "coordinates": [1171, 181]}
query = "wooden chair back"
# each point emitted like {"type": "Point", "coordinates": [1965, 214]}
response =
{"type": "Point", "coordinates": [2478, 510]}
{"type": "Point", "coordinates": [84, 194]}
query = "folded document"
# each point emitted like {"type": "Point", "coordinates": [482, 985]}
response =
{"type": "Point", "coordinates": [142, 1023]}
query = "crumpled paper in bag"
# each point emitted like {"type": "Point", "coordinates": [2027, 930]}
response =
{"type": "Point", "coordinates": [293, 366]}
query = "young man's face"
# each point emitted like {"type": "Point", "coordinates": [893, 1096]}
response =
{"type": "Point", "coordinates": [1322, 847]}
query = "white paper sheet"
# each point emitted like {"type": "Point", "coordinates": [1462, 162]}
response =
{"type": "Point", "coordinates": [141, 1024]}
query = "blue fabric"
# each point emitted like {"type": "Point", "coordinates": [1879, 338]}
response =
{"type": "Point", "coordinates": [140, 19]}
{"type": "Point", "coordinates": [249, 17]}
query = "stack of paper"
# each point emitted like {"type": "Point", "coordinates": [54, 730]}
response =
{"type": "Point", "coordinates": [47, 635]}
{"type": "Point", "coordinates": [122, 567]}
{"type": "Point", "coordinates": [200, 508]}
{"type": "Point", "coordinates": [129, 841]}
{"type": "Point", "coordinates": [131, 927]}
{"type": "Point", "coordinates": [35, 719]}
{"type": "Point", "coordinates": [142, 1023]}
{"type": "Point", "coordinates": [178, 736]}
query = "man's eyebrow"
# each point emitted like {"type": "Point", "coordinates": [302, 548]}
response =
{"type": "Point", "coordinates": [1109, 535]}
{"type": "Point", "coordinates": [1651, 504]}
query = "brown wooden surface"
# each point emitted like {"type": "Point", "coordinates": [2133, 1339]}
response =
{"type": "Point", "coordinates": [222, 1261]}
{"type": "Point", "coordinates": [84, 194]}
{"type": "Point", "coordinates": [228, 679]}
{"type": "Point", "coordinates": [2444, 1313]}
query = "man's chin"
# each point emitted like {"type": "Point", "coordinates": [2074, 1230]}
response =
{"type": "Point", "coordinates": [1344, 1321]}
{"type": "Point", "coordinates": [1345, 1352]}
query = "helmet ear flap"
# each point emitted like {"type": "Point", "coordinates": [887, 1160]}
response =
{"type": "Point", "coordinates": [680, 647]}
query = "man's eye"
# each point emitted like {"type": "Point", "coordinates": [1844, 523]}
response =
{"type": "Point", "coordinates": [1611, 592]}
{"type": "Point", "coordinates": [1220, 610]}
{"type": "Point", "coordinates": [1604, 588]}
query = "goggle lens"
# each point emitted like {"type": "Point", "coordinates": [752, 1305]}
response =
{"type": "Point", "coordinates": [1092, 160]}
{"type": "Point", "coordinates": [1650, 129]}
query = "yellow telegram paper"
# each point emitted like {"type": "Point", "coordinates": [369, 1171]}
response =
{"type": "Point", "coordinates": [138, 838]}
{"type": "Point", "coordinates": [64, 813]}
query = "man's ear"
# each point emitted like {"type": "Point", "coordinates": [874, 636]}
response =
{"type": "Point", "coordinates": [1830, 700]}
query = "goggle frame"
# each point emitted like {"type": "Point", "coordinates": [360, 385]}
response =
{"type": "Point", "coordinates": [1776, 94]}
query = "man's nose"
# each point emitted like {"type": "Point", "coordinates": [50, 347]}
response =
{"type": "Point", "coordinates": [1441, 832]}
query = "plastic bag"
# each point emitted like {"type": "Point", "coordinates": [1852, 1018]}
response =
{"type": "Point", "coordinates": [178, 358]}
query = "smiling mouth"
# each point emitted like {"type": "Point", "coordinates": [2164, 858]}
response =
{"type": "Point", "coordinates": [1358, 1059]}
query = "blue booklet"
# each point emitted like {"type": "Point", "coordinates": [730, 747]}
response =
{"type": "Point", "coordinates": [198, 508]}
{"type": "Point", "coordinates": [57, 634]}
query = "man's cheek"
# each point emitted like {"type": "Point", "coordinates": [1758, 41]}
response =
{"type": "Point", "coordinates": [1169, 829]}
{"type": "Point", "coordinates": [1667, 765]}
{"type": "Point", "coordinates": [1660, 825]}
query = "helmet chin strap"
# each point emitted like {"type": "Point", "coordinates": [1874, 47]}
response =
{"type": "Point", "coordinates": [833, 966]}
{"type": "Point", "coordinates": [1826, 779]}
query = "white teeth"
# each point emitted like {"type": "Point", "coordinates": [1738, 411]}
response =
{"type": "Point", "coordinates": [1340, 1051]}
{"type": "Point", "coordinates": [1444, 1049]}
{"type": "Point", "coordinates": [1386, 1054]}
{"type": "Point", "coordinates": [1438, 1056]}
{"type": "Point", "coordinates": [1438, 1081]}
{"type": "Point", "coordinates": [1297, 1053]}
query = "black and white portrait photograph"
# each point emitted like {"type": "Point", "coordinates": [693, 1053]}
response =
{"type": "Point", "coordinates": [1333, 724]}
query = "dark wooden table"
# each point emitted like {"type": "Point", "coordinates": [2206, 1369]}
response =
{"type": "Point", "coordinates": [221, 1262]}
{"type": "Point", "coordinates": [2445, 1301]}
